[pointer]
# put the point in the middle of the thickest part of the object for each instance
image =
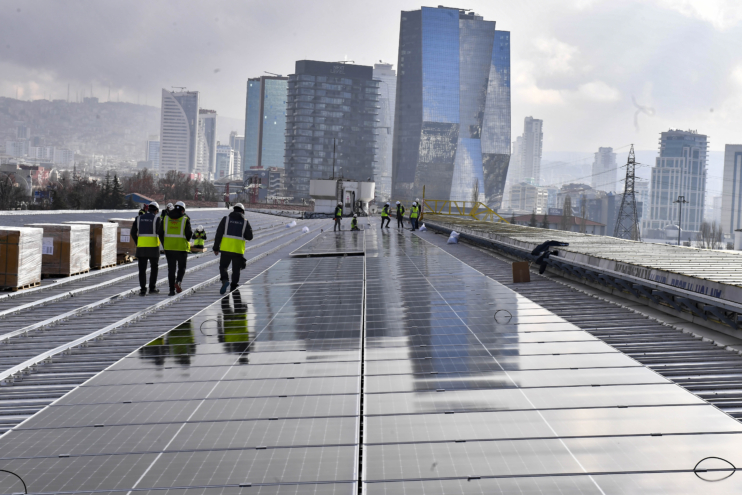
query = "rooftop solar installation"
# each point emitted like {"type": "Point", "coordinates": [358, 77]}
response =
{"type": "Point", "coordinates": [342, 243]}
{"type": "Point", "coordinates": [405, 371]}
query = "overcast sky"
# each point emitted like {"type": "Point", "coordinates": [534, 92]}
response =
{"type": "Point", "coordinates": [577, 64]}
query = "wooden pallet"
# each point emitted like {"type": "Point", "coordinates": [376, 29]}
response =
{"type": "Point", "coordinates": [27, 286]}
{"type": "Point", "coordinates": [107, 266]}
{"type": "Point", "coordinates": [63, 275]}
{"type": "Point", "coordinates": [197, 250]}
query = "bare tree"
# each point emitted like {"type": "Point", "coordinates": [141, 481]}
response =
{"type": "Point", "coordinates": [11, 194]}
{"type": "Point", "coordinates": [475, 190]}
{"type": "Point", "coordinates": [710, 235]}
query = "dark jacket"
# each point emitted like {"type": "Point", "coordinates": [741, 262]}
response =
{"type": "Point", "coordinates": [147, 252]}
{"type": "Point", "coordinates": [338, 211]}
{"type": "Point", "coordinates": [400, 211]}
{"type": "Point", "coordinates": [235, 215]}
{"type": "Point", "coordinates": [175, 214]}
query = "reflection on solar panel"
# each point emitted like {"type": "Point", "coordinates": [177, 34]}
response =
{"type": "Point", "coordinates": [266, 391]}
{"type": "Point", "coordinates": [343, 243]}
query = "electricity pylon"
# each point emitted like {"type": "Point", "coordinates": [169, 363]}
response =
{"type": "Point", "coordinates": [627, 223]}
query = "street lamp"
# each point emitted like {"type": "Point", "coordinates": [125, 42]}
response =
{"type": "Point", "coordinates": [681, 201]}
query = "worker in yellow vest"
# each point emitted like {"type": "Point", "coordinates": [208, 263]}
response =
{"type": "Point", "coordinates": [338, 216]}
{"type": "Point", "coordinates": [400, 215]}
{"type": "Point", "coordinates": [414, 214]}
{"type": "Point", "coordinates": [199, 238]}
{"type": "Point", "coordinates": [230, 238]}
{"type": "Point", "coordinates": [385, 216]}
{"type": "Point", "coordinates": [354, 223]}
{"type": "Point", "coordinates": [176, 234]}
{"type": "Point", "coordinates": [144, 232]}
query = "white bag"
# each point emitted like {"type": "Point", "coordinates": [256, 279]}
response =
{"type": "Point", "coordinates": [305, 229]}
{"type": "Point", "coordinates": [292, 224]}
{"type": "Point", "coordinates": [453, 238]}
{"type": "Point", "coordinates": [423, 228]}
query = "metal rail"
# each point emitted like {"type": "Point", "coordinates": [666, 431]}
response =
{"type": "Point", "coordinates": [474, 209]}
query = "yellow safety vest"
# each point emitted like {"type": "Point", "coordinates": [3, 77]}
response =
{"type": "Point", "coordinates": [413, 212]}
{"type": "Point", "coordinates": [146, 235]}
{"type": "Point", "coordinates": [339, 213]}
{"type": "Point", "coordinates": [354, 223]}
{"type": "Point", "coordinates": [198, 239]}
{"type": "Point", "coordinates": [385, 211]}
{"type": "Point", "coordinates": [233, 240]}
{"type": "Point", "coordinates": [175, 235]}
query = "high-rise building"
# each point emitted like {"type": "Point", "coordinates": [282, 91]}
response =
{"type": "Point", "coordinates": [604, 171]}
{"type": "Point", "coordinates": [265, 122]}
{"type": "Point", "coordinates": [529, 198]}
{"type": "Point", "coordinates": [330, 119]}
{"type": "Point", "coordinates": [206, 163]}
{"type": "Point", "coordinates": [237, 143]}
{"type": "Point", "coordinates": [224, 161]}
{"type": "Point", "coordinates": [680, 170]}
{"type": "Point", "coordinates": [387, 78]}
{"type": "Point", "coordinates": [22, 131]}
{"type": "Point", "coordinates": [152, 153]}
{"type": "Point", "coordinates": [452, 117]}
{"type": "Point", "coordinates": [179, 131]}
{"type": "Point", "coordinates": [641, 193]}
{"type": "Point", "coordinates": [531, 150]}
{"type": "Point", "coordinates": [731, 192]}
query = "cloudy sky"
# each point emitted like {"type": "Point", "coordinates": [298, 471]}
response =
{"type": "Point", "coordinates": [584, 66]}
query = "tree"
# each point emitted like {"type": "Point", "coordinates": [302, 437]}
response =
{"type": "Point", "coordinates": [116, 194]}
{"type": "Point", "coordinates": [533, 222]}
{"type": "Point", "coordinates": [208, 191]}
{"type": "Point", "coordinates": [545, 222]}
{"type": "Point", "coordinates": [58, 200]}
{"type": "Point", "coordinates": [11, 194]}
{"type": "Point", "coordinates": [567, 220]}
{"type": "Point", "coordinates": [710, 235]}
{"type": "Point", "coordinates": [512, 219]}
{"type": "Point", "coordinates": [583, 213]}
{"type": "Point", "coordinates": [143, 182]}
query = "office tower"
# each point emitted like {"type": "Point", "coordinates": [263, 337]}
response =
{"type": "Point", "coordinates": [179, 131]}
{"type": "Point", "coordinates": [452, 118]}
{"type": "Point", "coordinates": [224, 161]}
{"type": "Point", "coordinates": [387, 78]}
{"type": "Point", "coordinates": [604, 171]}
{"type": "Point", "coordinates": [206, 162]}
{"type": "Point", "coordinates": [731, 193]}
{"type": "Point", "coordinates": [22, 131]}
{"type": "Point", "coordinates": [531, 150]}
{"type": "Point", "coordinates": [237, 143]}
{"type": "Point", "coordinates": [680, 170]}
{"type": "Point", "coordinates": [331, 112]}
{"type": "Point", "coordinates": [528, 198]}
{"type": "Point", "coordinates": [152, 153]}
{"type": "Point", "coordinates": [265, 122]}
{"type": "Point", "coordinates": [641, 192]}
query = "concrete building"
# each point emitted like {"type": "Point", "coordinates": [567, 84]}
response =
{"type": "Point", "coordinates": [331, 116]}
{"type": "Point", "coordinates": [265, 122]}
{"type": "Point", "coordinates": [452, 117]}
{"type": "Point", "coordinates": [680, 170]}
{"type": "Point", "coordinates": [22, 131]}
{"type": "Point", "coordinates": [731, 193]}
{"type": "Point", "coordinates": [224, 161]}
{"type": "Point", "coordinates": [179, 131]}
{"type": "Point", "coordinates": [63, 156]}
{"type": "Point", "coordinates": [237, 143]}
{"type": "Point", "coordinates": [385, 131]}
{"type": "Point", "coordinates": [604, 172]}
{"type": "Point", "coordinates": [152, 153]}
{"type": "Point", "coordinates": [17, 148]}
{"type": "Point", "coordinates": [527, 197]}
{"type": "Point", "coordinates": [206, 163]}
{"type": "Point", "coordinates": [641, 193]}
{"type": "Point", "coordinates": [531, 150]}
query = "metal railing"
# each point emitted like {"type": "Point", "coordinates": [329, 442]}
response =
{"type": "Point", "coordinates": [474, 209]}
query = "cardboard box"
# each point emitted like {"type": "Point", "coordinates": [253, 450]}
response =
{"type": "Point", "coordinates": [65, 248]}
{"type": "Point", "coordinates": [125, 244]}
{"type": "Point", "coordinates": [20, 256]}
{"type": "Point", "coordinates": [103, 243]}
{"type": "Point", "coordinates": [521, 273]}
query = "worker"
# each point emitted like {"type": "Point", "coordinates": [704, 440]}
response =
{"type": "Point", "coordinates": [385, 215]}
{"type": "Point", "coordinates": [338, 217]}
{"type": "Point", "coordinates": [199, 238]}
{"type": "Point", "coordinates": [414, 213]}
{"type": "Point", "coordinates": [143, 209]}
{"type": "Point", "coordinates": [144, 233]}
{"type": "Point", "coordinates": [230, 238]}
{"type": "Point", "coordinates": [166, 211]}
{"type": "Point", "coordinates": [354, 223]}
{"type": "Point", "coordinates": [176, 234]}
{"type": "Point", "coordinates": [400, 215]}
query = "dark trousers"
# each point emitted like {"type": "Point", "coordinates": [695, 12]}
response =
{"type": "Point", "coordinates": [337, 224]}
{"type": "Point", "coordinates": [176, 260]}
{"type": "Point", "coordinates": [387, 221]}
{"type": "Point", "coordinates": [236, 260]}
{"type": "Point", "coordinates": [413, 221]}
{"type": "Point", "coordinates": [400, 221]}
{"type": "Point", "coordinates": [154, 265]}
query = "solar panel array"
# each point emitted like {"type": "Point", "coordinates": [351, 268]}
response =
{"type": "Point", "coordinates": [404, 371]}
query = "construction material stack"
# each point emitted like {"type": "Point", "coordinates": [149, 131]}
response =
{"type": "Point", "coordinates": [20, 257]}
{"type": "Point", "coordinates": [126, 247]}
{"type": "Point", "coordinates": [103, 243]}
{"type": "Point", "coordinates": [65, 249]}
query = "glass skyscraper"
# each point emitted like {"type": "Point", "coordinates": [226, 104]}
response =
{"type": "Point", "coordinates": [452, 118]}
{"type": "Point", "coordinates": [387, 78]}
{"type": "Point", "coordinates": [265, 122]}
{"type": "Point", "coordinates": [179, 131]}
{"type": "Point", "coordinates": [330, 104]}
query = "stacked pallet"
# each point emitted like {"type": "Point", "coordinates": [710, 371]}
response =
{"type": "Point", "coordinates": [20, 257]}
{"type": "Point", "coordinates": [126, 248]}
{"type": "Point", "coordinates": [103, 243]}
{"type": "Point", "coordinates": [65, 249]}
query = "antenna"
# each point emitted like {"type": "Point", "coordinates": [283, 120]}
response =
{"type": "Point", "coordinates": [627, 223]}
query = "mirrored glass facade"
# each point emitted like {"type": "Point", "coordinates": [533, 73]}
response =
{"type": "Point", "coordinates": [265, 122]}
{"type": "Point", "coordinates": [330, 104]}
{"type": "Point", "coordinates": [452, 119]}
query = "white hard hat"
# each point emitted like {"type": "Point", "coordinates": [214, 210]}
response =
{"type": "Point", "coordinates": [239, 205]}
{"type": "Point", "coordinates": [417, 199]}
{"type": "Point", "coordinates": [340, 203]}
{"type": "Point", "coordinates": [200, 227]}
{"type": "Point", "coordinates": [154, 203]}
{"type": "Point", "coordinates": [387, 203]}
{"type": "Point", "coordinates": [355, 216]}
{"type": "Point", "coordinates": [169, 206]}
{"type": "Point", "coordinates": [181, 204]}
{"type": "Point", "coordinates": [397, 202]}
{"type": "Point", "coordinates": [414, 203]}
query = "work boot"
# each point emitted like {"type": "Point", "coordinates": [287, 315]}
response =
{"type": "Point", "coordinates": [143, 292]}
{"type": "Point", "coordinates": [177, 287]}
{"type": "Point", "coordinates": [225, 286]}
{"type": "Point", "coordinates": [154, 290]}
{"type": "Point", "coordinates": [172, 292]}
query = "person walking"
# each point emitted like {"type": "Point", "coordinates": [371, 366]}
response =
{"type": "Point", "coordinates": [230, 238]}
{"type": "Point", "coordinates": [143, 210]}
{"type": "Point", "coordinates": [354, 223]}
{"type": "Point", "coordinates": [176, 235]}
{"type": "Point", "coordinates": [400, 215]}
{"type": "Point", "coordinates": [338, 217]}
{"type": "Point", "coordinates": [199, 238]}
{"type": "Point", "coordinates": [144, 233]}
{"type": "Point", "coordinates": [385, 215]}
{"type": "Point", "coordinates": [414, 213]}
